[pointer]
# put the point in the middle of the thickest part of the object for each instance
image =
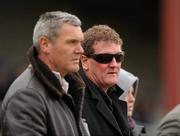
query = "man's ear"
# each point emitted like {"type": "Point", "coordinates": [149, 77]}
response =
{"type": "Point", "coordinates": [84, 62]}
{"type": "Point", "coordinates": [44, 44]}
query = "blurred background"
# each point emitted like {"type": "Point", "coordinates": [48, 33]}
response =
{"type": "Point", "coordinates": [150, 31]}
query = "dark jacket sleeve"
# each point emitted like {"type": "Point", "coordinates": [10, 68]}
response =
{"type": "Point", "coordinates": [25, 115]}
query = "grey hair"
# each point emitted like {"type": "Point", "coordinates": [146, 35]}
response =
{"type": "Point", "coordinates": [49, 23]}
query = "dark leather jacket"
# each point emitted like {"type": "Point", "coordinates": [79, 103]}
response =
{"type": "Point", "coordinates": [104, 118]}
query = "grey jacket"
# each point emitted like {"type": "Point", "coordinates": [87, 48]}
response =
{"type": "Point", "coordinates": [36, 104]}
{"type": "Point", "coordinates": [170, 124]}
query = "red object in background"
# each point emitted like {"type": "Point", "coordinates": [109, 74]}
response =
{"type": "Point", "coordinates": [170, 49]}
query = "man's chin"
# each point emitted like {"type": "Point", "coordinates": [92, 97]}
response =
{"type": "Point", "coordinates": [75, 68]}
{"type": "Point", "coordinates": [112, 83]}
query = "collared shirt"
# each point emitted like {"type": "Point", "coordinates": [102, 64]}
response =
{"type": "Point", "coordinates": [63, 82]}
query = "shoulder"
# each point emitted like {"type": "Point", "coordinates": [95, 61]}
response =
{"type": "Point", "coordinates": [24, 90]}
{"type": "Point", "coordinates": [170, 123]}
{"type": "Point", "coordinates": [23, 98]}
{"type": "Point", "coordinates": [174, 114]}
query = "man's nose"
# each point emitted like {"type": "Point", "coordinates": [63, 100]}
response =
{"type": "Point", "coordinates": [79, 49]}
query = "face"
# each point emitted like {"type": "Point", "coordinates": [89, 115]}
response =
{"type": "Point", "coordinates": [130, 99]}
{"type": "Point", "coordinates": [63, 53]}
{"type": "Point", "coordinates": [103, 75]}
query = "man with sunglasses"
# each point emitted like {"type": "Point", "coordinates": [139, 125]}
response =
{"type": "Point", "coordinates": [105, 114]}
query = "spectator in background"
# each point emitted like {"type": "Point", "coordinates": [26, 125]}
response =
{"type": "Point", "coordinates": [170, 123]}
{"type": "Point", "coordinates": [101, 63]}
{"type": "Point", "coordinates": [46, 99]}
{"type": "Point", "coordinates": [129, 84]}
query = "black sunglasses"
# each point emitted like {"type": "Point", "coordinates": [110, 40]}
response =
{"type": "Point", "coordinates": [106, 58]}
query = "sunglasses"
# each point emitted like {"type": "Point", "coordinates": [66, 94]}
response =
{"type": "Point", "coordinates": [106, 58]}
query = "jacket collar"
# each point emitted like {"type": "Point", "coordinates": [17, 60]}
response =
{"type": "Point", "coordinates": [74, 98]}
{"type": "Point", "coordinates": [93, 92]}
{"type": "Point", "coordinates": [44, 74]}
